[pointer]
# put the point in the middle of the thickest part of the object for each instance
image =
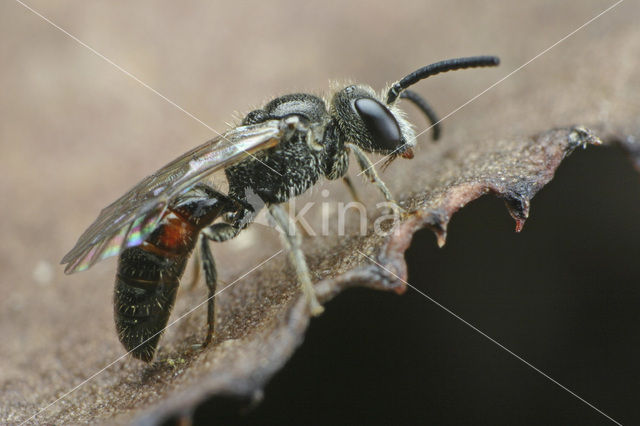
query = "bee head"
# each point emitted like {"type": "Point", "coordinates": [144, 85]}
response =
{"type": "Point", "coordinates": [379, 126]}
{"type": "Point", "coordinates": [366, 121]}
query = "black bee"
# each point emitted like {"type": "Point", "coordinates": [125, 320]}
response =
{"type": "Point", "coordinates": [278, 152]}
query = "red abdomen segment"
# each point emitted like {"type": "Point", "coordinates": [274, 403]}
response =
{"type": "Point", "coordinates": [148, 275]}
{"type": "Point", "coordinates": [176, 235]}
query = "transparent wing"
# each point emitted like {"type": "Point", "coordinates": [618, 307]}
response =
{"type": "Point", "coordinates": [129, 220]}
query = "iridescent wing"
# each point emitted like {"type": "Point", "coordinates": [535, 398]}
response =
{"type": "Point", "coordinates": [129, 220]}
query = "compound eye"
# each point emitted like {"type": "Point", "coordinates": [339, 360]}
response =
{"type": "Point", "coordinates": [381, 124]}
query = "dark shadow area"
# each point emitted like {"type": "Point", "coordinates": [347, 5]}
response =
{"type": "Point", "coordinates": [563, 295]}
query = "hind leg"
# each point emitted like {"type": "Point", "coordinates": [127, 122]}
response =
{"type": "Point", "coordinates": [211, 277]}
{"type": "Point", "coordinates": [218, 232]}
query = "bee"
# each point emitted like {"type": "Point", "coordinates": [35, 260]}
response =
{"type": "Point", "coordinates": [278, 152]}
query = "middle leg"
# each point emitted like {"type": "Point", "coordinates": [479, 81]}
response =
{"type": "Point", "coordinates": [293, 243]}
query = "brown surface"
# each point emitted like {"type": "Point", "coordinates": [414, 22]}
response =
{"type": "Point", "coordinates": [76, 133]}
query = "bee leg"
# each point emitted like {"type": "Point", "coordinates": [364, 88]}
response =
{"type": "Point", "coordinates": [220, 232]}
{"type": "Point", "coordinates": [367, 167]}
{"type": "Point", "coordinates": [211, 276]}
{"type": "Point", "coordinates": [223, 231]}
{"type": "Point", "coordinates": [293, 242]}
{"type": "Point", "coordinates": [351, 188]}
{"type": "Point", "coordinates": [196, 265]}
{"type": "Point", "coordinates": [424, 106]}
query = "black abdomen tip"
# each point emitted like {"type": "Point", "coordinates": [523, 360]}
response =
{"type": "Point", "coordinates": [142, 304]}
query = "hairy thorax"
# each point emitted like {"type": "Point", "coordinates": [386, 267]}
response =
{"type": "Point", "coordinates": [293, 166]}
{"type": "Point", "coordinates": [277, 174]}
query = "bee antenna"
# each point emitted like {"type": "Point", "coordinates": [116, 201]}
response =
{"type": "Point", "coordinates": [437, 68]}
{"type": "Point", "coordinates": [424, 106]}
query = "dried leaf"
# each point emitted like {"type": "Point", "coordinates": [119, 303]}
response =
{"type": "Point", "coordinates": [58, 336]}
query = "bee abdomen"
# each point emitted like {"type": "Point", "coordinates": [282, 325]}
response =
{"type": "Point", "coordinates": [149, 274]}
{"type": "Point", "coordinates": [145, 291]}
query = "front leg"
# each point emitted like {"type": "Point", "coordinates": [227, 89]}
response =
{"type": "Point", "coordinates": [367, 167]}
{"type": "Point", "coordinates": [293, 243]}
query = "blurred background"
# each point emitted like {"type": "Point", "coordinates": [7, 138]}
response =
{"type": "Point", "coordinates": [75, 132]}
